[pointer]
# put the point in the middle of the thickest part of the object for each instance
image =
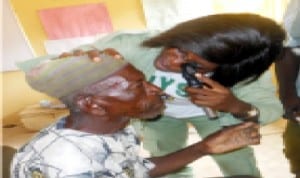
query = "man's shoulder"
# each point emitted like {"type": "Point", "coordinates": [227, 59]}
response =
{"type": "Point", "coordinates": [52, 143]}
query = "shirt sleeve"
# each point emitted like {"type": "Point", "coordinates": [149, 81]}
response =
{"type": "Point", "coordinates": [144, 167]}
{"type": "Point", "coordinates": [261, 94]}
{"type": "Point", "coordinates": [291, 23]}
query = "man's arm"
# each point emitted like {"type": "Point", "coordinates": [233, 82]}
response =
{"type": "Point", "coordinates": [286, 69]}
{"type": "Point", "coordinates": [225, 140]}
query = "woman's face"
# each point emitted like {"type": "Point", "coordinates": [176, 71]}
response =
{"type": "Point", "coordinates": [171, 59]}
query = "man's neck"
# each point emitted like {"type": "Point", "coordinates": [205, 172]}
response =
{"type": "Point", "coordinates": [95, 125]}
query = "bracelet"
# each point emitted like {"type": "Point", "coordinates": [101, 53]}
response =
{"type": "Point", "coordinates": [251, 115]}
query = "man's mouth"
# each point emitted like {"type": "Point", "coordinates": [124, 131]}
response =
{"type": "Point", "coordinates": [166, 97]}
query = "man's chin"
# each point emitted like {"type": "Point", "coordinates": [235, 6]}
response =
{"type": "Point", "coordinates": [157, 117]}
{"type": "Point", "coordinates": [154, 113]}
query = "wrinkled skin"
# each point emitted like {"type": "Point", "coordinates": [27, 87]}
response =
{"type": "Point", "coordinates": [107, 105]}
{"type": "Point", "coordinates": [127, 88]}
{"type": "Point", "coordinates": [226, 140]}
{"type": "Point", "coordinates": [129, 94]}
{"type": "Point", "coordinates": [232, 137]}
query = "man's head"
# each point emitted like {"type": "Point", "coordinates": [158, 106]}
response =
{"type": "Point", "coordinates": [108, 87]}
{"type": "Point", "coordinates": [125, 93]}
{"type": "Point", "coordinates": [235, 46]}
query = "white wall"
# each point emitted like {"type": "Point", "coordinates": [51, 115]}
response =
{"type": "Point", "coordinates": [14, 45]}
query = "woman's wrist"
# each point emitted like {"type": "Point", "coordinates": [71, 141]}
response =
{"type": "Point", "coordinates": [251, 114]}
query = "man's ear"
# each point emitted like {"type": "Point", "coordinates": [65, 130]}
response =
{"type": "Point", "coordinates": [87, 104]}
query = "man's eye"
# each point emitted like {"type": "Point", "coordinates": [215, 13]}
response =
{"type": "Point", "coordinates": [140, 84]}
{"type": "Point", "coordinates": [136, 85]}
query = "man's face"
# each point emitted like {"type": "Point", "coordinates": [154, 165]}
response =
{"type": "Point", "coordinates": [171, 59]}
{"type": "Point", "coordinates": [127, 93]}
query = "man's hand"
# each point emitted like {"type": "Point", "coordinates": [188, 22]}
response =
{"type": "Point", "coordinates": [228, 139]}
{"type": "Point", "coordinates": [232, 138]}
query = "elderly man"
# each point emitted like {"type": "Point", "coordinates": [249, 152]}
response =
{"type": "Point", "coordinates": [103, 94]}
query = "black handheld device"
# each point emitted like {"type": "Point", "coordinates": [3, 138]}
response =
{"type": "Point", "coordinates": [188, 72]}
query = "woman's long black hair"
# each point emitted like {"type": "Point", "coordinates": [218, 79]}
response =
{"type": "Point", "coordinates": [243, 45]}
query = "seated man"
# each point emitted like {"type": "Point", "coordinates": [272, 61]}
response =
{"type": "Point", "coordinates": [103, 94]}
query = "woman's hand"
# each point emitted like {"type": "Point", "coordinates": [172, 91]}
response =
{"type": "Point", "coordinates": [93, 54]}
{"type": "Point", "coordinates": [216, 96]}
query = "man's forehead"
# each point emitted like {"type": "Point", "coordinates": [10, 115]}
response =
{"type": "Point", "coordinates": [111, 83]}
